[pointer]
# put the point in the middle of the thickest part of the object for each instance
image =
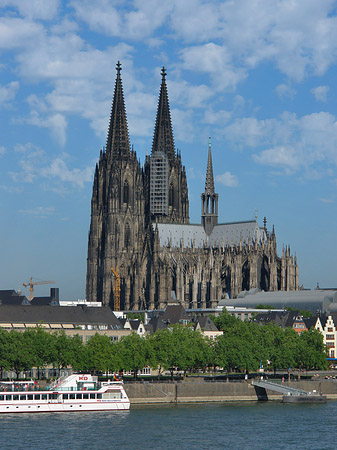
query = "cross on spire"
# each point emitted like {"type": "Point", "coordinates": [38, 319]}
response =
{"type": "Point", "coordinates": [118, 67]}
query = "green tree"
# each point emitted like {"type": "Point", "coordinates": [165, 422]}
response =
{"type": "Point", "coordinates": [160, 344]}
{"type": "Point", "coordinates": [79, 359]}
{"type": "Point", "coordinates": [134, 353]}
{"type": "Point", "coordinates": [100, 354]}
{"type": "Point", "coordinates": [179, 347]}
{"type": "Point", "coordinates": [21, 356]}
{"type": "Point", "coordinates": [284, 347]}
{"type": "Point", "coordinates": [42, 347]}
{"type": "Point", "coordinates": [224, 320]}
{"type": "Point", "coordinates": [311, 352]}
{"type": "Point", "coordinates": [67, 350]}
{"type": "Point", "coordinates": [4, 350]}
{"type": "Point", "coordinates": [302, 312]}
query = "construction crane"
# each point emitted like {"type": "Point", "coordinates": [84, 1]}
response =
{"type": "Point", "coordinates": [31, 285]}
{"type": "Point", "coordinates": [117, 290]}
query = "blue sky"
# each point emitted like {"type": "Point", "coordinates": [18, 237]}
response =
{"type": "Point", "coordinates": [258, 76]}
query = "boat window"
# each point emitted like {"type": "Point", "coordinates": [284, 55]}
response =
{"type": "Point", "coordinates": [65, 396]}
{"type": "Point", "coordinates": [23, 397]}
{"type": "Point", "coordinates": [2, 397]}
{"type": "Point", "coordinates": [44, 396]}
{"type": "Point", "coordinates": [79, 396]}
{"type": "Point", "coordinates": [92, 396]}
{"type": "Point", "coordinates": [99, 395]}
{"type": "Point", "coordinates": [112, 395]}
{"type": "Point", "coordinates": [71, 396]}
{"type": "Point", "coordinates": [85, 396]}
{"type": "Point", "coordinates": [37, 397]}
{"type": "Point", "coordinates": [15, 397]}
{"type": "Point", "coordinates": [9, 398]}
{"type": "Point", "coordinates": [52, 396]}
{"type": "Point", "coordinates": [30, 396]}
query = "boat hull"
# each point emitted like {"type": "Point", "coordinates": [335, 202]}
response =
{"type": "Point", "coordinates": [63, 407]}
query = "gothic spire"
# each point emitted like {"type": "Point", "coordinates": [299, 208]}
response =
{"type": "Point", "coordinates": [118, 144]}
{"type": "Point", "coordinates": [163, 135]}
{"type": "Point", "coordinates": [209, 184]}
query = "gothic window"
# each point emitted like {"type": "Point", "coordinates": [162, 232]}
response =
{"type": "Point", "coordinates": [116, 235]}
{"type": "Point", "coordinates": [171, 195]}
{"type": "Point", "coordinates": [127, 236]}
{"type": "Point", "coordinates": [126, 192]}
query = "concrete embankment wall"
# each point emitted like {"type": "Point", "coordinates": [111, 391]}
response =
{"type": "Point", "coordinates": [187, 392]}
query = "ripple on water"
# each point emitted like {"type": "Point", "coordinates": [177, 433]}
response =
{"type": "Point", "coordinates": [262, 426]}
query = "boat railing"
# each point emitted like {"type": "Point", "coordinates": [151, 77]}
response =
{"type": "Point", "coordinates": [56, 383]}
{"type": "Point", "coordinates": [76, 388]}
{"type": "Point", "coordinates": [18, 386]}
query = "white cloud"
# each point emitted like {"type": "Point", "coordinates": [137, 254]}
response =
{"type": "Point", "coordinates": [286, 157]}
{"type": "Point", "coordinates": [19, 34]}
{"type": "Point", "coordinates": [123, 21]}
{"type": "Point", "coordinates": [11, 189]}
{"type": "Point", "coordinates": [227, 179]}
{"type": "Point", "coordinates": [320, 93]}
{"type": "Point", "coordinates": [8, 92]}
{"type": "Point", "coordinates": [29, 149]}
{"type": "Point", "coordinates": [36, 164]}
{"type": "Point", "coordinates": [215, 60]}
{"type": "Point", "coordinates": [297, 40]}
{"type": "Point", "coordinates": [41, 212]}
{"type": "Point", "coordinates": [191, 96]}
{"type": "Point", "coordinates": [196, 21]}
{"type": "Point", "coordinates": [284, 90]}
{"type": "Point", "coordinates": [289, 142]}
{"type": "Point", "coordinates": [327, 200]}
{"type": "Point", "coordinates": [183, 125]}
{"type": "Point", "coordinates": [58, 169]}
{"type": "Point", "coordinates": [56, 123]}
{"type": "Point", "coordinates": [220, 117]}
{"type": "Point", "coordinates": [35, 9]}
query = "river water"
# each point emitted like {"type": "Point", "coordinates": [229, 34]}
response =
{"type": "Point", "coordinates": [248, 426]}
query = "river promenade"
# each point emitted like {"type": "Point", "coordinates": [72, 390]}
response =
{"type": "Point", "coordinates": [194, 390]}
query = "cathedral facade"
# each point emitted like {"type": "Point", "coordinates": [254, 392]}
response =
{"type": "Point", "coordinates": [140, 228]}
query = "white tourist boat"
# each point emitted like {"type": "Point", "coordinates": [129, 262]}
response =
{"type": "Point", "coordinates": [78, 392]}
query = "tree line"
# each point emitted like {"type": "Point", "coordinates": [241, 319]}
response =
{"type": "Point", "coordinates": [242, 347]}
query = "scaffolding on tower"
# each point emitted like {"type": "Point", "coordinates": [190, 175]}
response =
{"type": "Point", "coordinates": [117, 290]}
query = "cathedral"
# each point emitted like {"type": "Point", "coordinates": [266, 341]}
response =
{"type": "Point", "coordinates": [140, 235]}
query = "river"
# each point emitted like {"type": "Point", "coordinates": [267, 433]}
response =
{"type": "Point", "coordinates": [248, 426]}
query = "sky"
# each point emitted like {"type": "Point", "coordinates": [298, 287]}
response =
{"type": "Point", "coordinates": [257, 76]}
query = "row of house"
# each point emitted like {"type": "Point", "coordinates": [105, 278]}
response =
{"type": "Point", "coordinates": [325, 323]}
{"type": "Point", "coordinates": [17, 312]}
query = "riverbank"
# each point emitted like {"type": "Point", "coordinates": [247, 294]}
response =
{"type": "Point", "coordinates": [216, 391]}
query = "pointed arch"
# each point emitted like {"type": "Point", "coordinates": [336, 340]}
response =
{"type": "Point", "coordinates": [116, 235]}
{"type": "Point", "coordinates": [171, 195]}
{"type": "Point", "coordinates": [127, 236]}
{"type": "Point", "coordinates": [126, 192]}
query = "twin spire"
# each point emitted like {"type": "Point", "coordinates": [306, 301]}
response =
{"type": "Point", "coordinates": [118, 144]}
